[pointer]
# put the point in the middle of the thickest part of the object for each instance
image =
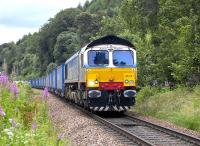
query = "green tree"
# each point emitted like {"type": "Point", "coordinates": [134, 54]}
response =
{"type": "Point", "coordinates": [65, 46]}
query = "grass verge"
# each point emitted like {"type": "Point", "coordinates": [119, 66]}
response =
{"type": "Point", "coordinates": [180, 106]}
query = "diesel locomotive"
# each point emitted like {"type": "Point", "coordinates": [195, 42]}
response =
{"type": "Point", "coordinates": [102, 76]}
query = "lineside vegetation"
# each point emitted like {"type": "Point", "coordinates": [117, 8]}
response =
{"type": "Point", "coordinates": [166, 34]}
{"type": "Point", "coordinates": [23, 117]}
{"type": "Point", "coordinates": [180, 106]}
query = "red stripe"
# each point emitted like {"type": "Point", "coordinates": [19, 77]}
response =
{"type": "Point", "coordinates": [111, 85]}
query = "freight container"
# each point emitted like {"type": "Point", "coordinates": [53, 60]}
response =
{"type": "Point", "coordinates": [60, 79]}
{"type": "Point", "coordinates": [54, 78]}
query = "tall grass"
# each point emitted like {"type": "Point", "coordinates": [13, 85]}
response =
{"type": "Point", "coordinates": [25, 121]}
{"type": "Point", "coordinates": [180, 106]}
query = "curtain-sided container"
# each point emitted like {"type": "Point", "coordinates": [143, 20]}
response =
{"type": "Point", "coordinates": [60, 79]}
{"type": "Point", "coordinates": [39, 82]}
{"type": "Point", "coordinates": [44, 82]}
{"type": "Point", "coordinates": [54, 79]}
{"type": "Point", "coordinates": [34, 81]}
{"type": "Point", "coordinates": [48, 80]}
{"type": "Point", "coordinates": [31, 83]}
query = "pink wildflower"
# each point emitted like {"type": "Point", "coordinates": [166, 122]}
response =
{"type": "Point", "coordinates": [45, 93]}
{"type": "Point", "coordinates": [14, 90]}
{"type": "Point", "coordinates": [3, 80]}
{"type": "Point", "coordinates": [59, 139]}
{"type": "Point", "coordinates": [34, 125]}
{"type": "Point", "coordinates": [60, 136]}
{"type": "Point", "coordinates": [2, 113]}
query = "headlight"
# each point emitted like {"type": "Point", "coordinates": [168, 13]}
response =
{"type": "Point", "coordinates": [91, 83]}
{"type": "Point", "coordinates": [126, 81]}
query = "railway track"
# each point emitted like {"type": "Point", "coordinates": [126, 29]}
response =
{"type": "Point", "coordinates": [134, 131]}
{"type": "Point", "coordinates": [141, 132]}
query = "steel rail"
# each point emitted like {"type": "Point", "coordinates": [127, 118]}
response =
{"type": "Point", "coordinates": [133, 137]}
{"type": "Point", "coordinates": [130, 136]}
{"type": "Point", "coordinates": [184, 136]}
{"type": "Point", "coordinates": [123, 132]}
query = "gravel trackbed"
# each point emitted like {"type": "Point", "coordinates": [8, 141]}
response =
{"type": "Point", "coordinates": [80, 129]}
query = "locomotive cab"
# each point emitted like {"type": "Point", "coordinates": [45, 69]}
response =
{"type": "Point", "coordinates": [102, 76]}
{"type": "Point", "coordinates": [110, 77]}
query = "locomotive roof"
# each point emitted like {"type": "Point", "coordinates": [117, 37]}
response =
{"type": "Point", "coordinates": [106, 40]}
{"type": "Point", "coordinates": [110, 39]}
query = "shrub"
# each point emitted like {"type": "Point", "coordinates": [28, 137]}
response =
{"type": "Point", "coordinates": [145, 93]}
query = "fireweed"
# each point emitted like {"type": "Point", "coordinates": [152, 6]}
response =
{"type": "Point", "coordinates": [45, 93]}
{"type": "Point", "coordinates": [14, 90]}
{"type": "Point", "coordinates": [34, 126]}
{"type": "Point", "coordinates": [13, 131]}
{"type": "Point", "coordinates": [3, 80]}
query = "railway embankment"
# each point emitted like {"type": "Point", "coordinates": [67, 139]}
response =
{"type": "Point", "coordinates": [179, 108]}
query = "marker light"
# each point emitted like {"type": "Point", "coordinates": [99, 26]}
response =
{"type": "Point", "coordinates": [131, 82]}
{"type": "Point", "coordinates": [96, 81]}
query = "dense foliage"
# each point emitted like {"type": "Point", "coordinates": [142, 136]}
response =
{"type": "Point", "coordinates": [166, 34]}
{"type": "Point", "coordinates": [23, 117]}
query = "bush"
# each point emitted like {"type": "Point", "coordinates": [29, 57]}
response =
{"type": "Point", "coordinates": [145, 93]}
